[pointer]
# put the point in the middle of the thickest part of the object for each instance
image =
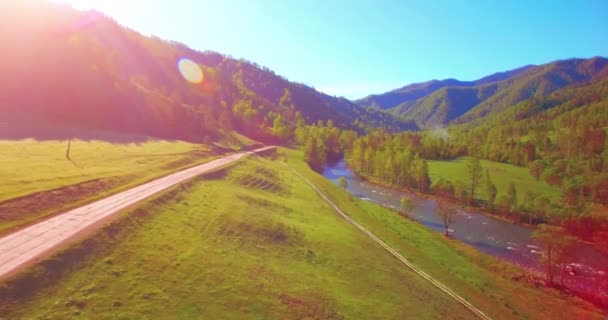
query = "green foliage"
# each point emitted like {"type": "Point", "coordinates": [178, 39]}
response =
{"type": "Point", "coordinates": [488, 187]}
{"type": "Point", "coordinates": [388, 158]}
{"type": "Point", "coordinates": [406, 204]}
{"type": "Point", "coordinates": [323, 143]}
{"type": "Point", "coordinates": [343, 183]}
{"type": "Point", "coordinates": [280, 129]}
{"type": "Point", "coordinates": [512, 193]}
{"type": "Point", "coordinates": [474, 174]}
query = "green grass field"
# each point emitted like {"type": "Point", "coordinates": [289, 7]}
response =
{"type": "Point", "coordinates": [256, 242]}
{"type": "Point", "coordinates": [501, 174]}
{"type": "Point", "coordinates": [37, 175]}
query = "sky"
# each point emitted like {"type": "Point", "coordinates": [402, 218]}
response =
{"type": "Point", "coordinates": [357, 48]}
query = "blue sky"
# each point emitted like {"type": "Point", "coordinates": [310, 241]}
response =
{"type": "Point", "coordinates": [355, 48]}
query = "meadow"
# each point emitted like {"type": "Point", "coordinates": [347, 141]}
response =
{"type": "Point", "coordinates": [38, 180]}
{"type": "Point", "coordinates": [501, 175]}
{"type": "Point", "coordinates": [256, 242]}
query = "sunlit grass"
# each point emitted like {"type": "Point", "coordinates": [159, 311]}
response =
{"type": "Point", "coordinates": [257, 243]}
{"type": "Point", "coordinates": [96, 169]}
{"type": "Point", "coordinates": [501, 175]}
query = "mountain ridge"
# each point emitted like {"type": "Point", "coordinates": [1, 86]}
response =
{"type": "Point", "coordinates": [114, 78]}
{"type": "Point", "coordinates": [442, 102]}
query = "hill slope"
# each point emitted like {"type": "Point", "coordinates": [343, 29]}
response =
{"type": "Point", "coordinates": [81, 69]}
{"type": "Point", "coordinates": [416, 91]}
{"type": "Point", "coordinates": [437, 103]}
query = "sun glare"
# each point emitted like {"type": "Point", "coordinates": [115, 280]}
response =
{"type": "Point", "coordinates": [190, 70]}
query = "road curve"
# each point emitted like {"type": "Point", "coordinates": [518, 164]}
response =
{"type": "Point", "coordinates": [478, 313]}
{"type": "Point", "coordinates": [27, 245]}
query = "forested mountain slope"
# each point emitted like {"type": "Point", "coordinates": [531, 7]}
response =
{"type": "Point", "coordinates": [416, 91]}
{"type": "Point", "coordinates": [438, 103]}
{"type": "Point", "coordinates": [82, 69]}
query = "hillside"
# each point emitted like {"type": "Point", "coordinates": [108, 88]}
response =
{"type": "Point", "coordinates": [438, 103]}
{"type": "Point", "coordinates": [415, 91]}
{"type": "Point", "coordinates": [67, 68]}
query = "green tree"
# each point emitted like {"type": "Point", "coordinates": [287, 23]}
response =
{"type": "Point", "coordinates": [406, 204]}
{"type": "Point", "coordinates": [536, 168]}
{"type": "Point", "coordinates": [315, 154]}
{"type": "Point", "coordinates": [488, 187]}
{"type": "Point", "coordinates": [421, 172]}
{"type": "Point", "coordinates": [280, 129]}
{"type": "Point", "coordinates": [512, 193]}
{"type": "Point", "coordinates": [474, 173]}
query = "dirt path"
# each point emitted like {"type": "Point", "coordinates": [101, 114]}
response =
{"type": "Point", "coordinates": [392, 251]}
{"type": "Point", "coordinates": [29, 245]}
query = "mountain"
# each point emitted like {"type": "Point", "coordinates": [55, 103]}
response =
{"type": "Point", "coordinates": [538, 82]}
{"type": "Point", "coordinates": [68, 68]}
{"type": "Point", "coordinates": [438, 103]}
{"type": "Point", "coordinates": [415, 91]}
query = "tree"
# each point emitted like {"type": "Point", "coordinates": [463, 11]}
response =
{"type": "Point", "coordinates": [443, 187]}
{"type": "Point", "coordinates": [421, 172]}
{"type": "Point", "coordinates": [406, 204]}
{"type": "Point", "coordinates": [488, 187]}
{"type": "Point", "coordinates": [512, 194]}
{"type": "Point", "coordinates": [474, 173]}
{"type": "Point", "coordinates": [343, 183]}
{"type": "Point", "coordinates": [280, 129]}
{"type": "Point", "coordinates": [536, 168]}
{"type": "Point", "coordinates": [314, 154]}
{"type": "Point", "coordinates": [447, 217]}
{"type": "Point", "coordinates": [558, 247]}
{"type": "Point", "coordinates": [461, 193]}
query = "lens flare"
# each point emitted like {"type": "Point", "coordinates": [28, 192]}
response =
{"type": "Point", "coordinates": [190, 70]}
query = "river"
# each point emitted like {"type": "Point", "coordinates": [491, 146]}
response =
{"type": "Point", "coordinates": [502, 239]}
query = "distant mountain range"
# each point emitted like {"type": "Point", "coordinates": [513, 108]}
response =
{"type": "Point", "coordinates": [450, 101]}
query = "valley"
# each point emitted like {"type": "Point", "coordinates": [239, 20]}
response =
{"type": "Point", "coordinates": [146, 178]}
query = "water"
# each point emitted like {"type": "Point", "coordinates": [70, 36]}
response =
{"type": "Point", "coordinates": [503, 239]}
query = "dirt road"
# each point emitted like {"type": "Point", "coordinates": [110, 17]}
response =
{"type": "Point", "coordinates": [26, 246]}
